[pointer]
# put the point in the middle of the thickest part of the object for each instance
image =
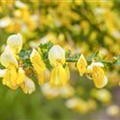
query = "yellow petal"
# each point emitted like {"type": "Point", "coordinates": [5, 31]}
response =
{"type": "Point", "coordinates": [28, 86]}
{"type": "Point", "coordinates": [21, 76]}
{"type": "Point", "coordinates": [7, 59]}
{"type": "Point", "coordinates": [37, 61]}
{"type": "Point", "coordinates": [10, 78]}
{"type": "Point", "coordinates": [41, 78]}
{"type": "Point", "coordinates": [81, 65]}
{"type": "Point", "coordinates": [13, 76]}
{"type": "Point", "coordinates": [58, 76]}
{"type": "Point", "coordinates": [15, 42]}
{"type": "Point", "coordinates": [99, 78]}
{"type": "Point", "coordinates": [56, 55]}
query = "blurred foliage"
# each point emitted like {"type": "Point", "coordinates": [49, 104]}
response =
{"type": "Point", "coordinates": [81, 26]}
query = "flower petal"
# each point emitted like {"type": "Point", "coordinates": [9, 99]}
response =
{"type": "Point", "coordinates": [15, 42]}
{"type": "Point", "coordinates": [81, 65]}
{"type": "Point", "coordinates": [99, 78]}
{"type": "Point", "coordinates": [59, 76]}
{"type": "Point", "coordinates": [56, 55]}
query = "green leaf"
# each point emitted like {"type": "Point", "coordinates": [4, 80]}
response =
{"type": "Point", "coordinates": [91, 57]}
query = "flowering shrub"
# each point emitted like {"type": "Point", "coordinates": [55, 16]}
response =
{"type": "Point", "coordinates": [67, 51]}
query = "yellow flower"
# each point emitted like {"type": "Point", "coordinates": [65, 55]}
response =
{"type": "Point", "coordinates": [15, 42]}
{"type": "Point", "coordinates": [28, 86]}
{"type": "Point", "coordinates": [7, 59]}
{"type": "Point", "coordinates": [21, 76]}
{"type": "Point", "coordinates": [81, 65]}
{"type": "Point", "coordinates": [37, 61]}
{"type": "Point", "coordinates": [10, 77]}
{"type": "Point", "coordinates": [59, 76]}
{"type": "Point", "coordinates": [98, 75]}
{"type": "Point", "coordinates": [38, 65]}
{"type": "Point", "coordinates": [56, 55]}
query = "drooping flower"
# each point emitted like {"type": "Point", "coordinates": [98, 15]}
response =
{"type": "Point", "coordinates": [82, 65]}
{"type": "Point", "coordinates": [98, 75]}
{"type": "Point", "coordinates": [59, 75]}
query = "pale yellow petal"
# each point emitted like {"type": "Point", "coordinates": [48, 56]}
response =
{"type": "Point", "coordinates": [7, 59]}
{"type": "Point", "coordinates": [81, 65]}
{"type": "Point", "coordinates": [56, 55]}
{"type": "Point", "coordinates": [58, 76]}
{"type": "Point", "coordinates": [37, 61]}
{"type": "Point", "coordinates": [28, 86]}
{"type": "Point", "coordinates": [99, 78]}
{"type": "Point", "coordinates": [9, 79]}
{"type": "Point", "coordinates": [15, 42]}
{"type": "Point", "coordinates": [21, 76]}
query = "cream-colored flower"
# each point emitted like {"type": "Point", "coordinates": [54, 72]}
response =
{"type": "Point", "coordinates": [7, 59]}
{"type": "Point", "coordinates": [28, 86]}
{"type": "Point", "coordinates": [56, 55]}
{"type": "Point", "coordinates": [15, 42]}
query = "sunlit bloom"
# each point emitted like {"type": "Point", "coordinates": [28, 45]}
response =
{"type": "Point", "coordinates": [28, 86]}
{"type": "Point", "coordinates": [7, 59]}
{"type": "Point", "coordinates": [81, 65]}
{"type": "Point", "coordinates": [10, 77]}
{"type": "Point", "coordinates": [98, 75]}
{"type": "Point", "coordinates": [56, 55]}
{"type": "Point", "coordinates": [20, 76]}
{"type": "Point", "coordinates": [58, 76]}
{"type": "Point", "coordinates": [38, 65]}
{"type": "Point", "coordinates": [15, 42]}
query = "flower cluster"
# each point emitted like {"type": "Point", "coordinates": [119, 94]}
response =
{"type": "Point", "coordinates": [94, 71]}
{"type": "Point", "coordinates": [15, 76]}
